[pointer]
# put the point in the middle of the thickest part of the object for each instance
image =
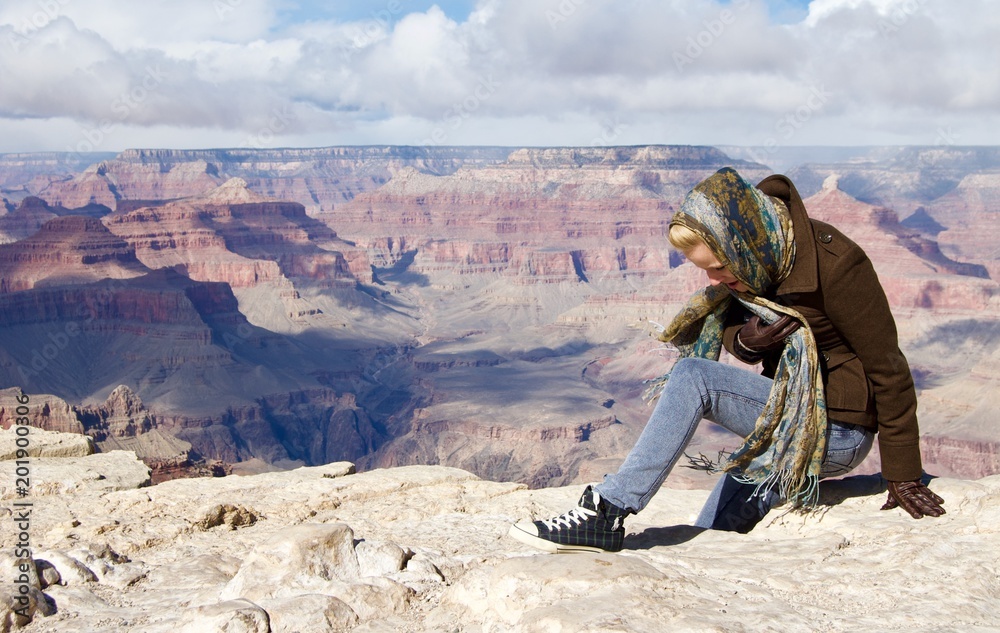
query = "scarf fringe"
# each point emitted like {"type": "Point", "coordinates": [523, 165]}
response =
{"type": "Point", "coordinates": [656, 385]}
{"type": "Point", "coordinates": [798, 492]}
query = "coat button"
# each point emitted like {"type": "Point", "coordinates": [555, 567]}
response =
{"type": "Point", "coordinates": [825, 236]}
{"type": "Point", "coordinates": [826, 357]}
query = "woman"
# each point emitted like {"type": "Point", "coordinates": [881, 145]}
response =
{"type": "Point", "coordinates": [798, 296]}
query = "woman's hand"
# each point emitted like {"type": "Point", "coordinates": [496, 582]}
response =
{"type": "Point", "coordinates": [915, 498]}
{"type": "Point", "coordinates": [757, 337]}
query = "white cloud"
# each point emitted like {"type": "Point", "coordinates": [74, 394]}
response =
{"type": "Point", "coordinates": [657, 72]}
{"type": "Point", "coordinates": [137, 25]}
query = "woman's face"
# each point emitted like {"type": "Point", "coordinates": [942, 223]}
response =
{"type": "Point", "coordinates": [702, 257]}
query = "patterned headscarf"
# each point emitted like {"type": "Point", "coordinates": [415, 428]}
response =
{"type": "Point", "coordinates": [751, 235]}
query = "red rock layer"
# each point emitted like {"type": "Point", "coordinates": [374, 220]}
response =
{"type": "Point", "coordinates": [912, 269]}
{"type": "Point", "coordinates": [152, 305]}
{"type": "Point", "coordinates": [242, 244]}
{"type": "Point", "coordinates": [541, 216]}
{"type": "Point", "coordinates": [71, 249]}
{"type": "Point", "coordinates": [320, 178]}
{"type": "Point", "coordinates": [26, 220]}
{"type": "Point", "coordinates": [104, 184]}
{"type": "Point", "coordinates": [970, 215]}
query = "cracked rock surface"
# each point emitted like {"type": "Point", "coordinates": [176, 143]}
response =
{"type": "Point", "coordinates": [424, 548]}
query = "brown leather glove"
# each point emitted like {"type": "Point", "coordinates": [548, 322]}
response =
{"type": "Point", "coordinates": [915, 498]}
{"type": "Point", "coordinates": [757, 337]}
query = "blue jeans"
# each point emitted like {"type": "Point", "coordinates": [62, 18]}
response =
{"type": "Point", "coordinates": [733, 398]}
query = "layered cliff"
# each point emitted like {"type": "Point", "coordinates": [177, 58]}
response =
{"type": "Point", "coordinates": [912, 268]}
{"type": "Point", "coordinates": [66, 250]}
{"type": "Point", "coordinates": [898, 177]}
{"type": "Point", "coordinates": [25, 174]}
{"type": "Point", "coordinates": [313, 426]}
{"type": "Point", "coordinates": [82, 314]}
{"type": "Point", "coordinates": [241, 238]}
{"type": "Point", "coordinates": [970, 212]}
{"type": "Point", "coordinates": [25, 220]}
{"type": "Point", "coordinates": [319, 178]}
{"type": "Point", "coordinates": [956, 187]}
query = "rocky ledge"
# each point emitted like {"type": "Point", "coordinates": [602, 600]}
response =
{"type": "Point", "coordinates": [423, 548]}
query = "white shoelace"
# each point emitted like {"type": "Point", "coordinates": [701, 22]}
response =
{"type": "Point", "coordinates": [573, 517]}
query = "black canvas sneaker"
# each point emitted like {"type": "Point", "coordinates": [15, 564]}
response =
{"type": "Point", "coordinates": [595, 525]}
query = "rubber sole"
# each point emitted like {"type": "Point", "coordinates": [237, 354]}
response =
{"type": "Point", "coordinates": [520, 532]}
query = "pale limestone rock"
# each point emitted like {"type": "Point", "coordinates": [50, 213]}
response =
{"type": "Point", "coordinates": [21, 598]}
{"type": "Point", "coordinates": [98, 556]}
{"type": "Point", "coordinates": [117, 470]}
{"type": "Point", "coordinates": [121, 576]}
{"type": "Point", "coordinates": [300, 559]}
{"type": "Point", "coordinates": [77, 599]}
{"type": "Point", "coordinates": [309, 613]}
{"type": "Point", "coordinates": [44, 443]}
{"type": "Point", "coordinates": [11, 568]}
{"type": "Point", "coordinates": [192, 577]}
{"type": "Point", "coordinates": [377, 558]}
{"type": "Point", "coordinates": [231, 616]}
{"type": "Point", "coordinates": [374, 597]}
{"type": "Point", "coordinates": [71, 571]}
{"type": "Point", "coordinates": [48, 575]}
{"type": "Point", "coordinates": [574, 592]}
{"type": "Point", "coordinates": [226, 514]}
{"type": "Point", "coordinates": [423, 548]}
{"type": "Point", "coordinates": [234, 191]}
{"type": "Point", "coordinates": [420, 574]}
{"type": "Point", "coordinates": [314, 558]}
{"type": "Point", "coordinates": [107, 566]}
{"type": "Point", "coordinates": [15, 614]}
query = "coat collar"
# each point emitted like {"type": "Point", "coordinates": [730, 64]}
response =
{"type": "Point", "coordinates": [804, 276]}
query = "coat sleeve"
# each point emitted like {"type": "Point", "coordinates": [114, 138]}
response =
{"type": "Point", "coordinates": [857, 306]}
{"type": "Point", "coordinates": [736, 318]}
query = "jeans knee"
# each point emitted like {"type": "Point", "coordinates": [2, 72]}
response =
{"type": "Point", "coordinates": [688, 367]}
{"type": "Point", "coordinates": [691, 373]}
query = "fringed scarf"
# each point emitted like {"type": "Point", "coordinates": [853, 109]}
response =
{"type": "Point", "coordinates": [752, 236]}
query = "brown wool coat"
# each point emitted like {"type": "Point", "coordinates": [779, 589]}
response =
{"type": "Point", "coordinates": [868, 381]}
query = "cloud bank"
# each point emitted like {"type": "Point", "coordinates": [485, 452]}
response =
{"type": "Point", "coordinates": [107, 74]}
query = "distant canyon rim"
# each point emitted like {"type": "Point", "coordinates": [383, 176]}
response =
{"type": "Point", "coordinates": [485, 308]}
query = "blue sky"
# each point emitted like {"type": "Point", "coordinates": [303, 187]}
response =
{"type": "Point", "coordinates": [783, 11]}
{"type": "Point", "coordinates": [360, 10]}
{"type": "Point", "coordinates": [106, 75]}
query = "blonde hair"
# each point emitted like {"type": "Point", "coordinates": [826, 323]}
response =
{"type": "Point", "coordinates": [682, 238]}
